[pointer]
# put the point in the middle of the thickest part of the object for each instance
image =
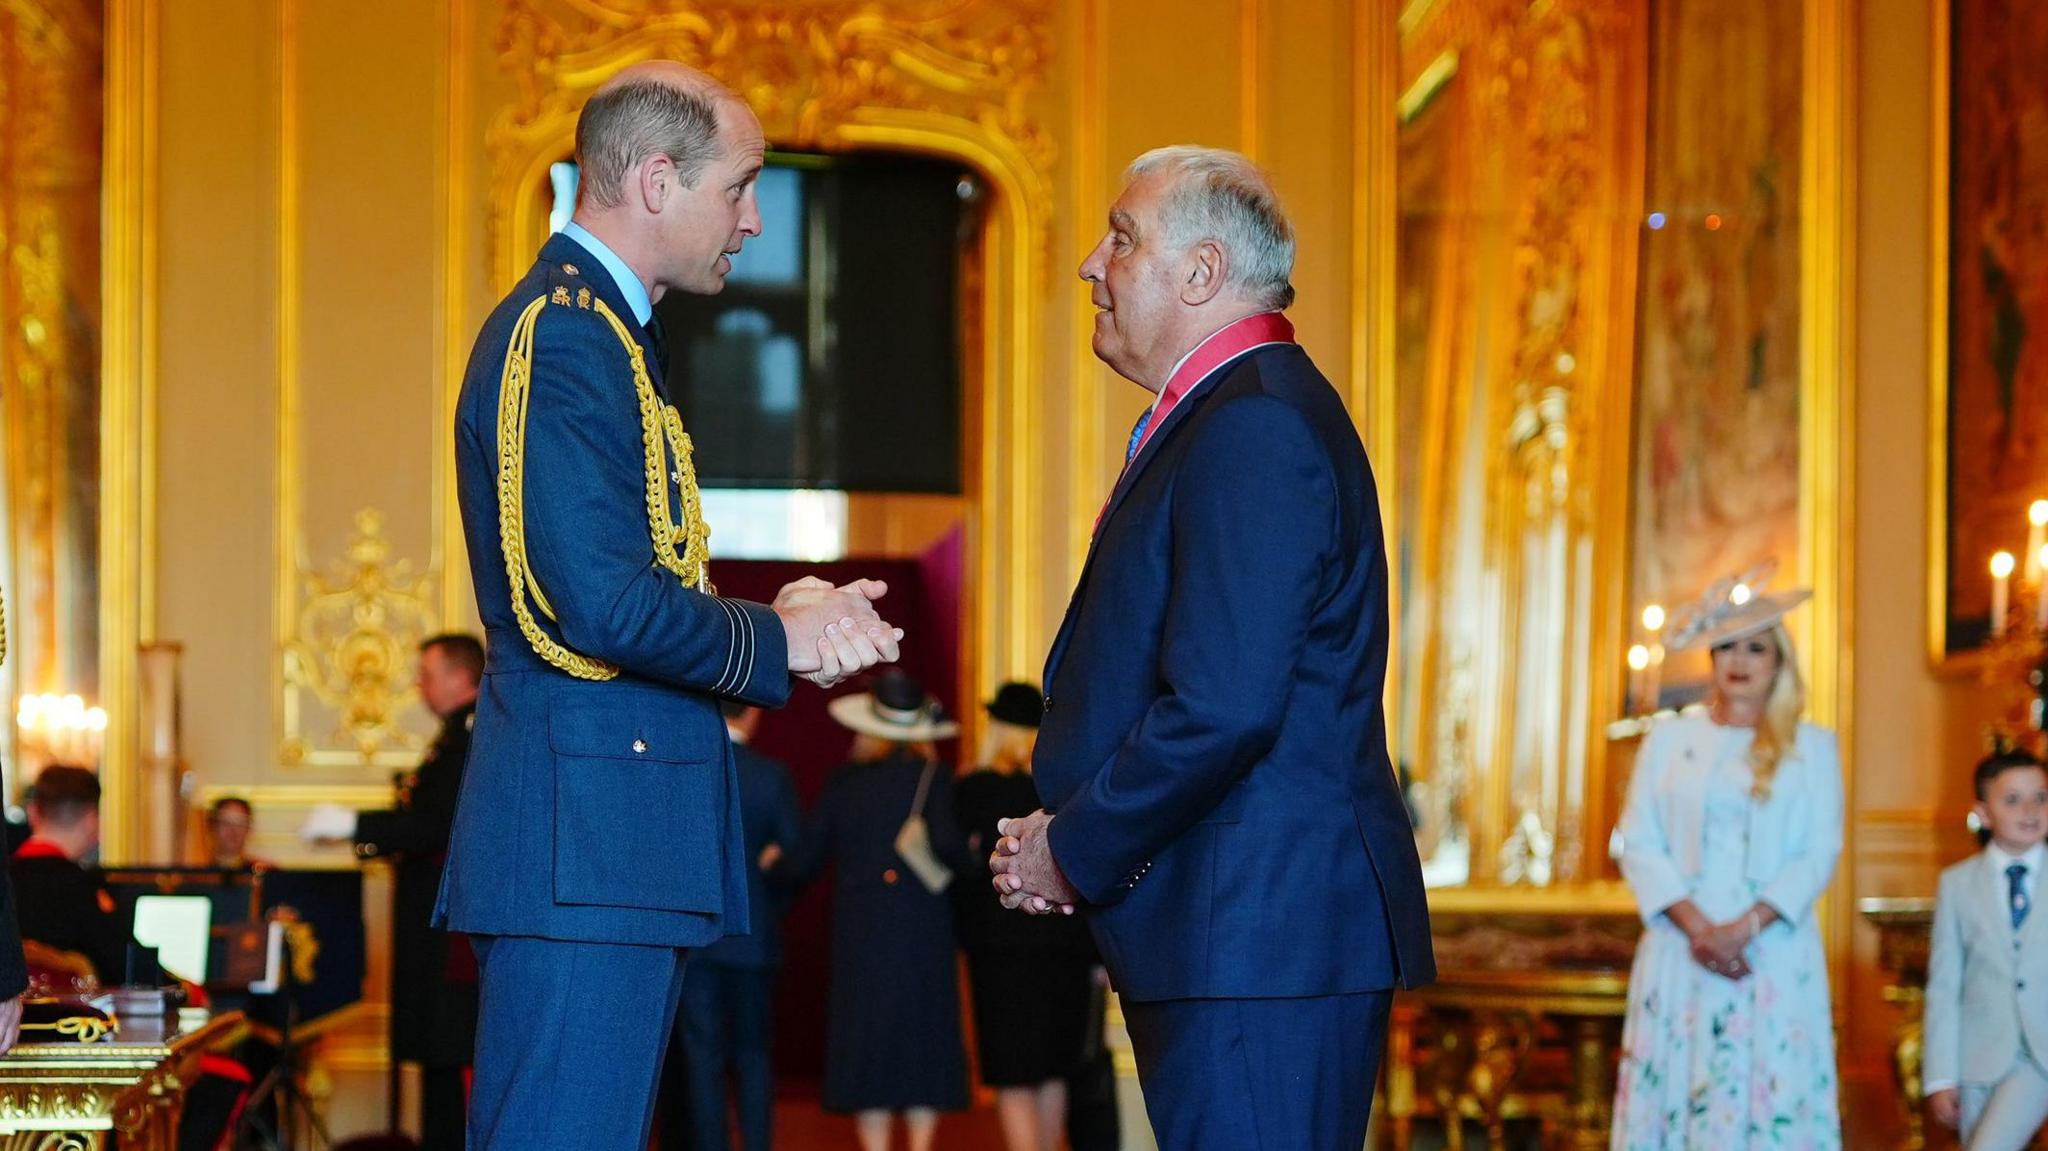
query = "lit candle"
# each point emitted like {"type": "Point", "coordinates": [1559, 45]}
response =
{"type": "Point", "coordinates": [2037, 535]}
{"type": "Point", "coordinates": [1638, 677]}
{"type": "Point", "coordinates": [2041, 593]}
{"type": "Point", "coordinates": [2001, 591]}
{"type": "Point", "coordinates": [1653, 618]}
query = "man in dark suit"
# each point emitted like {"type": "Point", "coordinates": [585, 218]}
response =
{"type": "Point", "coordinates": [727, 1019]}
{"type": "Point", "coordinates": [60, 902]}
{"type": "Point", "coordinates": [1213, 761]}
{"type": "Point", "coordinates": [598, 835]}
{"type": "Point", "coordinates": [433, 976]}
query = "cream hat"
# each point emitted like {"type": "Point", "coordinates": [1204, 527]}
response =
{"type": "Point", "coordinates": [896, 709]}
{"type": "Point", "coordinates": [1732, 609]}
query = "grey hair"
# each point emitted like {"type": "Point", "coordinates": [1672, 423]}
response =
{"type": "Point", "coordinates": [625, 124]}
{"type": "Point", "coordinates": [1219, 195]}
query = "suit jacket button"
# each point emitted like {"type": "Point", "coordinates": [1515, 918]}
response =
{"type": "Point", "coordinates": [639, 747]}
{"type": "Point", "coordinates": [1048, 703]}
{"type": "Point", "coordinates": [890, 877]}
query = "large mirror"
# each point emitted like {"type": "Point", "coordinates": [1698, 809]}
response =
{"type": "Point", "coordinates": [1598, 321]}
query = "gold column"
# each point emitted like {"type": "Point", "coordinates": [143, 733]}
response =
{"type": "Point", "coordinates": [1827, 403]}
{"type": "Point", "coordinates": [128, 446]}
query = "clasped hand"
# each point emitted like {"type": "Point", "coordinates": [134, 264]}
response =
{"type": "Point", "coordinates": [1720, 949]}
{"type": "Point", "coordinates": [1027, 877]}
{"type": "Point", "coordinates": [834, 633]}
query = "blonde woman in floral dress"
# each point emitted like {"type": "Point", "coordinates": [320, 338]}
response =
{"type": "Point", "coordinates": [1733, 826]}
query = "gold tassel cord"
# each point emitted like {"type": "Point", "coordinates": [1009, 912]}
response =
{"type": "Point", "coordinates": [514, 386]}
{"type": "Point", "coordinates": [658, 423]}
{"type": "Point", "coordinates": [662, 440]}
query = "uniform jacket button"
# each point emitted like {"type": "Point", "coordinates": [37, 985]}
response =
{"type": "Point", "coordinates": [890, 877]}
{"type": "Point", "coordinates": [639, 747]}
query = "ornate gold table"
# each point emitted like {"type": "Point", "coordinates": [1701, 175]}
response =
{"type": "Point", "coordinates": [1904, 935]}
{"type": "Point", "coordinates": [75, 1096]}
{"type": "Point", "coordinates": [1524, 1018]}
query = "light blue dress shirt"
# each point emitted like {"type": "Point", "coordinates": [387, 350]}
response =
{"type": "Point", "coordinates": [628, 282]}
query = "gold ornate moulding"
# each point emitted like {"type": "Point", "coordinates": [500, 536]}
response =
{"type": "Point", "coordinates": [1524, 1018]}
{"type": "Point", "coordinates": [349, 654]}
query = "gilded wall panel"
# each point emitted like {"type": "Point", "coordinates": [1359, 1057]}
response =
{"type": "Point", "coordinates": [49, 338]}
{"type": "Point", "coordinates": [358, 323]}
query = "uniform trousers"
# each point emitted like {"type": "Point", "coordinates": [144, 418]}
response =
{"type": "Point", "coordinates": [569, 1043]}
{"type": "Point", "coordinates": [1260, 1074]}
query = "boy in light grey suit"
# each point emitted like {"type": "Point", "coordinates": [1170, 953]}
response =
{"type": "Point", "coordinates": [1987, 944]}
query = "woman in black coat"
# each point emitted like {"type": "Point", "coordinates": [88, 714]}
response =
{"type": "Point", "coordinates": [892, 1034]}
{"type": "Point", "coordinates": [1033, 975]}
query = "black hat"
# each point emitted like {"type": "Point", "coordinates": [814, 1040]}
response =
{"type": "Point", "coordinates": [1018, 704]}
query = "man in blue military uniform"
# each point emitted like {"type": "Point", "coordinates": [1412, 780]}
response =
{"type": "Point", "coordinates": [609, 651]}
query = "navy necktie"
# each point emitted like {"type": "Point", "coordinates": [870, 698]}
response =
{"type": "Point", "coordinates": [1137, 437]}
{"type": "Point", "coordinates": [2017, 873]}
{"type": "Point", "coordinates": [659, 338]}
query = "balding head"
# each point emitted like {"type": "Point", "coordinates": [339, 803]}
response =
{"type": "Point", "coordinates": [657, 107]}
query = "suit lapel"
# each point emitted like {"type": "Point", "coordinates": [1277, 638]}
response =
{"type": "Point", "coordinates": [1180, 414]}
{"type": "Point", "coordinates": [1991, 887]}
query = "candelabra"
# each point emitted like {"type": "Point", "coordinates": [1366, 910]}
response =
{"type": "Point", "coordinates": [59, 729]}
{"type": "Point", "coordinates": [2015, 657]}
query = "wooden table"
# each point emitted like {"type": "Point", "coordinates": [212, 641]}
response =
{"type": "Point", "coordinates": [74, 1096]}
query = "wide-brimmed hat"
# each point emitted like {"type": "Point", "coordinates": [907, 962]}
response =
{"type": "Point", "coordinates": [1017, 704]}
{"type": "Point", "coordinates": [896, 708]}
{"type": "Point", "coordinates": [1733, 608]}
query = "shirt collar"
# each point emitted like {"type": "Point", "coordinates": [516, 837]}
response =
{"type": "Point", "coordinates": [2030, 859]}
{"type": "Point", "coordinates": [622, 275]}
{"type": "Point", "coordinates": [36, 847]}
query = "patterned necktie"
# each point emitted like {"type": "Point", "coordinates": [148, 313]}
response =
{"type": "Point", "coordinates": [2017, 873]}
{"type": "Point", "coordinates": [1137, 437]}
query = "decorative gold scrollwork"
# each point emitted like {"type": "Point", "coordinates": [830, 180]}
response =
{"type": "Point", "coordinates": [358, 627]}
{"type": "Point", "coordinates": [828, 76]}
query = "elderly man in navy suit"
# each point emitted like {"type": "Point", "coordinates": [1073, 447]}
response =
{"type": "Point", "coordinates": [598, 833]}
{"type": "Point", "coordinates": [1213, 763]}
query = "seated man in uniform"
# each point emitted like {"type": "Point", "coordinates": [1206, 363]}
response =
{"type": "Point", "coordinates": [62, 904]}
